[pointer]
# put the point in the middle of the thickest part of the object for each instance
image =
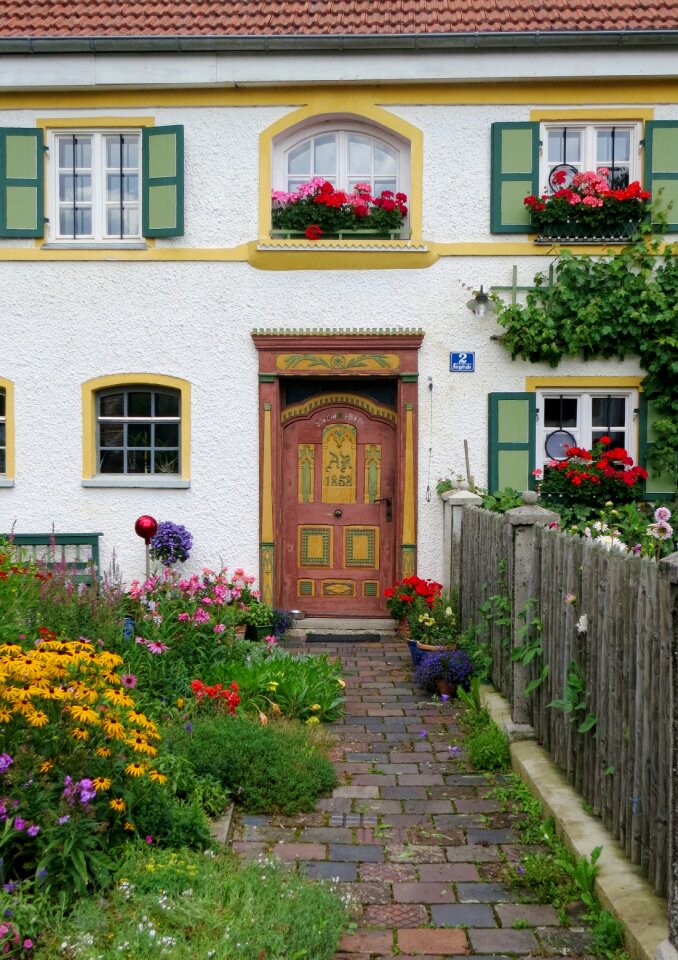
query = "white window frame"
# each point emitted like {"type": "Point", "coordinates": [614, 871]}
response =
{"type": "Point", "coordinates": [588, 153]}
{"type": "Point", "coordinates": [583, 431]}
{"type": "Point", "coordinates": [126, 420]}
{"type": "Point", "coordinates": [98, 234]}
{"type": "Point", "coordinates": [342, 126]}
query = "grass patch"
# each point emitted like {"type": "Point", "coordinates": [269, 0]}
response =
{"type": "Point", "coordinates": [486, 746]}
{"type": "Point", "coordinates": [179, 904]}
{"type": "Point", "coordinates": [278, 768]}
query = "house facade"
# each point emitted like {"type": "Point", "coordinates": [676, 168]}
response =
{"type": "Point", "coordinates": [293, 401]}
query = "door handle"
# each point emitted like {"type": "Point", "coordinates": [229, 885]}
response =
{"type": "Point", "coordinates": [389, 507]}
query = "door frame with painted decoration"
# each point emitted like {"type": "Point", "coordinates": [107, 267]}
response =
{"type": "Point", "coordinates": [339, 356]}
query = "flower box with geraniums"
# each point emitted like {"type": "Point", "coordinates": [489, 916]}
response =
{"type": "Point", "coordinates": [587, 208]}
{"type": "Point", "coordinates": [592, 477]}
{"type": "Point", "coordinates": [317, 211]}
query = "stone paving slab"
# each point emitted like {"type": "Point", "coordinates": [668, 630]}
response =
{"type": "Point", "coordinates": [416, 840]}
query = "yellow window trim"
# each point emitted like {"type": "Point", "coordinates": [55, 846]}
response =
{"type": "Point", "coordinates": [94, 123]}
{"type": "Point", "coordinates": [89, 434]}
{"type": "Point", "coordinates": [335, 102]}
{"type": "Point", "coordinates": [532, 384]}
{"type": "Point", "coordinates": [8, 387]}
{"type": "Point", "coordinates": [630, 113]}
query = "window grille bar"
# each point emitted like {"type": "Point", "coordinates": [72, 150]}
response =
{"type": "Point", "coordinates": [122, 206]}
{"type": "Point", "coordinates": [612, 178]}
{"type": "Point", "coordinates": [74, 147]}
{"type": "Point", "coordinates": [564, 144]}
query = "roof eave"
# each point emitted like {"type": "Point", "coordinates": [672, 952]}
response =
{"type": "Point", "coordinates": [340, 42]}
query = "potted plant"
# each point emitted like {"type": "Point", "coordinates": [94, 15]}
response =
{"type": "Point", "coordinates": [444, 671]}
{"type": "Point", "coordinates": [402, 597]}
{"type": "Point", "coordinates": [585, 207]}
{"type": "Point", "coordinates": [434, 626]}
{"type": "Point", "coordinates": [316, 210]}
{"type": "Point", "coordinates": [258, 619]}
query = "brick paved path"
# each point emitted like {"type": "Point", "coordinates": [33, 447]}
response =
{"type": "Point", "coordinates": [416, 840]}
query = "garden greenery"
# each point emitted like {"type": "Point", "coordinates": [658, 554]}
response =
{"type": "Point", "coordinates": [609, 306]}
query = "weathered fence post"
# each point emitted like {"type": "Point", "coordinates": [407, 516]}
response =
{"type": "Point", "coordinates": [668, 571]}
{"type": "Point", "coordinates": [456, 500]}
{"type": "Point", "coordinates": [523, 521]}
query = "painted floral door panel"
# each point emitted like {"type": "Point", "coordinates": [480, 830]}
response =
{"type": "Point", "coordinates": [338, 487]}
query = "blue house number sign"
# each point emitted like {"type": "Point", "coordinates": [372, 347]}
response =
{"type": "Point", "coordinates": [463, 362]}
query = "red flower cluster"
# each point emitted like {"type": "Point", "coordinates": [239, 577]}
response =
{"type": "Point", "coordinates": [227, 698]}
{"type": "Point", "coordinates": [602, 474]}
{"type": "Point", "coordinates": [401, 596]}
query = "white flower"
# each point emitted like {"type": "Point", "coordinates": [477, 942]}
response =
{"type": "Point", "coordinates": [612, 543]}
{"type": "Point", "coordinates": [587, 532]}
{"type": "Point", "coordinates": [583, 623]}
{"type": "Point", "coordinates": [660, 530]}
{"type": "Point", "coordinates": [662, 513]}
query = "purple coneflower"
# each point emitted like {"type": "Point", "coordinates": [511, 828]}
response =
{"type": "Point", "coordinates": [157, 647]}
{"type": "Point", "coordinates": [129, 680]}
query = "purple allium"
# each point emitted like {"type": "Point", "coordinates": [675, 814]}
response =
{"type": "Point", "coordinates": [9, 887]}
{"type": "Point", "coordinates": [171, 544]}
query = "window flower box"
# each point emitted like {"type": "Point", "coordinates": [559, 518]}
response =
{"type": "Point", "coordinates": [318, 211]}
{"type": "Point", "coordinates": [585, 209]}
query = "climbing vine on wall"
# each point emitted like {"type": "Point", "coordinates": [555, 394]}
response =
{"type": "Point", "coordinates": [609, 306]}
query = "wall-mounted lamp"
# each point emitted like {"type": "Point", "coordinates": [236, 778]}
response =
{"type": "Point", "coordinates": [480, 304]}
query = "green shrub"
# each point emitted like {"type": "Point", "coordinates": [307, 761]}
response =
{"type": "Point", "coordinates": [267, 769]}
{"type": "Point", "coordinates": [171, 822]}
{"type": "Point", "coordinates": [179, 904]}
{"type": "Point", "coordinates": [487, 748]}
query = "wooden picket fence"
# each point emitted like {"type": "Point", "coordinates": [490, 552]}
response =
{"type": "Point", "coordinates": [617, 671]}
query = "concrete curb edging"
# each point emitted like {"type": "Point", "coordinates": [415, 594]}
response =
{"type": "Point", "coordinates": [620, 885]}
{"type": "Point", "coordinates": [220, 828]}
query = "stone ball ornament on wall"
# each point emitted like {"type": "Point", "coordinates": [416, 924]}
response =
{"type": "Point", "coordinates": [146, 527]}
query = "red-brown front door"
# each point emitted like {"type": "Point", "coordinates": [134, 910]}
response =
{"type": "Point", "coordinates": [338, 509]}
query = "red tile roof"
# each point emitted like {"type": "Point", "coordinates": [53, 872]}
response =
{"type": "Point", "coordinates": [288, 18]}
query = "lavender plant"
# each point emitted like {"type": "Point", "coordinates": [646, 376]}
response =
{"type": "Point", "coordinates": [451, 666]}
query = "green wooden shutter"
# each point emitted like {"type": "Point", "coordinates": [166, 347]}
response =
{"type": "Point", "coordinates": [22, 202]}
{"type": "Point", "coordinates": [661, 166]}
{"type": "Point", "coordinates": [512, 437]}
{"type": "Point", "coordinates": [515, 175]}
{"type": "Point", "coordinates": [163, 181]}
{"type": "Point", "coordinates": [658, 486]}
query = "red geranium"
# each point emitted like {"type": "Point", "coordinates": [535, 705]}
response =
{"type": "Point", "coordinates": [593, 477]}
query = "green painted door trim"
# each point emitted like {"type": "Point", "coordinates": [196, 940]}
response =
{"type": "Point", "coordinates": [500, 175]}
{"type": "Point", "coordinates": [657, 167]}
{"type": "Point", "coordinates": [496, 446]}
{"type": "Point", "coordinates": [28, 191]}
{"type": "Point", "coordinates": [163, 192]}
{"type": "Point", "coordinates": [657, 487]}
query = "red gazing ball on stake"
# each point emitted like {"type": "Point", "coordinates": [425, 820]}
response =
{"type": "Point", "coordinates": [146, 528]}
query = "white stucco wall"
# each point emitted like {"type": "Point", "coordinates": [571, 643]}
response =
{"type": "Point", "coordinates": [62, 323]}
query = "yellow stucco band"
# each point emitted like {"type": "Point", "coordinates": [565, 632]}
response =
{"type": "Point", "coordinates": [89, 434]}
{"type": "Point", "coordinates": [598, 383]}
{"type": "Point", "coordinates": [8, 387]}
{"type": "Point", "coordinates": [548, 92]}
{"type": "Point", "coordinates": [605, 113]}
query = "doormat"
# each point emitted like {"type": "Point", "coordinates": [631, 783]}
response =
{"type": "Point", "coordinates": [343, 637]}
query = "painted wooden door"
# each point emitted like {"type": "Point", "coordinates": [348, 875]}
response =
{"type": "Point", "coordinates": [338, 510]}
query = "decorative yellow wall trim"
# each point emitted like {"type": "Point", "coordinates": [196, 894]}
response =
{"type": "Point", "coordinates": [408, 499]}
{"type": "Point", "coordinates": [622, 92]}
{"type": "Point", "coordinates": [267, 479]}
{"type": "Point", "coordinates": [101, 122]}
{"type": "Point", "coordinates": [8, 388]}
{"type": "Point", "coordinates": [308, 259]}
{"type": "Point", "coordinates": [89, 432]}
{"type": "Point", "coordinates": [338, 103]}
{"type": "Point", "coordinates": [604, 113]}
{"type": "Point", "coordinates": [578, 383]}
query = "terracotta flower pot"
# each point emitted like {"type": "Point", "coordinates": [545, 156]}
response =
{"type": "Point", "coordinates": [403, 628]}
